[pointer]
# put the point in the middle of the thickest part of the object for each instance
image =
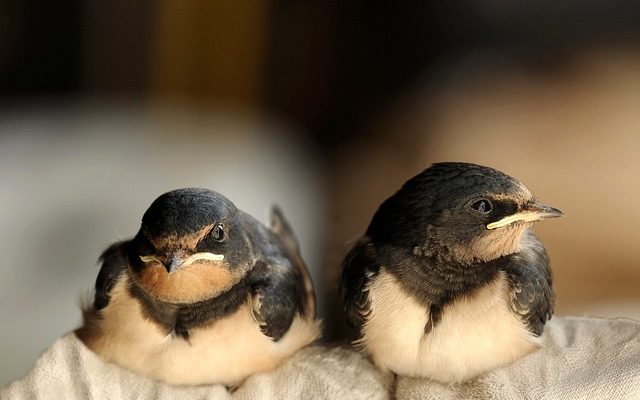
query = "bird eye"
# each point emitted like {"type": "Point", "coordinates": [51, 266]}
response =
{"type": "Point", "coordinates": [218, 233]}
{"type": "Point", "coordinates": [483, 206]}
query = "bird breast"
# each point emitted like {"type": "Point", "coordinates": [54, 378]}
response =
{"type": "Point", "coordinates": [477, 332]}
{"type": "Point", "coordinates": [225, 352]}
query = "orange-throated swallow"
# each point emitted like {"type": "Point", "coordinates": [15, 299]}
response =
{"type": "Point", "coordinates": [204, 293]}
{"type": "Point", "coordinates": [448, 281]}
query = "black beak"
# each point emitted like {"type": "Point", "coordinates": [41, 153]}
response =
{"type": "Point", "coordinates": [172, 263]}
{"type": "Point", "coordinates": [544, 211]}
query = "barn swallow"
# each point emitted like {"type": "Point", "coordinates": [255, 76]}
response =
{"type": "Point", "coordinates": [449, 281]}
{"type": "Point", "coordinates": [203, 294]}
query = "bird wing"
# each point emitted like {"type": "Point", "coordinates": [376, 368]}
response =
{"type": "Point", "coordinates": [531, 285]}
{"type": "Point", "coordinates": [358, 268]}
{"type": "Point", "coordinates": [277, 294]}
{"type": "Point", "coordinates": [280, 226]}
{"type": "Point", "coordinates": [114, 263]}
{"type": "Point", "coordinates": [282, 229]}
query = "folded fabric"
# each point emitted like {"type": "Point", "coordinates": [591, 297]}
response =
{"type": "Point", "coordinates": [68, 370]}
{"type": "Point", "coordinates": [582, 358]}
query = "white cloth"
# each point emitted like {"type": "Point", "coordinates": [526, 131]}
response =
{"type": "Point", "coordinates": [582, 358]}
{"type": "Point", "coordinates": [70, 371]}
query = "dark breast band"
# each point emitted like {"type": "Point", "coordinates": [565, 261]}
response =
{"type": "Point", "coordinates": [180, 318]}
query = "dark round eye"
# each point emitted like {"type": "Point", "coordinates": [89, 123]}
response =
{"type": "Point", "coordinates": [483, 206]}
{"type": "Point", "coordinates": [218, 233]}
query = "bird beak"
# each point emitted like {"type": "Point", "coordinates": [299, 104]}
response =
{"type": "Point", "coordinates": [534, 211]}
{"type": "Point", "coordinates": [172, 263]}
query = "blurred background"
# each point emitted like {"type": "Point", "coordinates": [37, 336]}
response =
{"type": "Point", "coordinates": [325, 107]}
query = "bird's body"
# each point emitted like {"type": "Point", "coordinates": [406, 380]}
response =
{"type": "Point", "coordinates": [440, 288]}
{"type": "Point", "coordinates": [203, 294]}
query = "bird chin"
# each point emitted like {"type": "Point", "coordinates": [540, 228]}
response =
{"type": "Point", "coordinates": [500, 242]}
{"type": "Point", "coordinates": [192, 283]}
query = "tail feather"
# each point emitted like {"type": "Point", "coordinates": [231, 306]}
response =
{"type": "Point", "coordinates": [280, 226]}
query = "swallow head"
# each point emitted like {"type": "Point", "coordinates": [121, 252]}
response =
{"type": "Point", "coordinates": [190, 246]}
{"type": "Point", "coordinates": [459, 212]}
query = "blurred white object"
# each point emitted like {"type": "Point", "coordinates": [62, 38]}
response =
{"type": "Point", "coordinates": [75, 179]}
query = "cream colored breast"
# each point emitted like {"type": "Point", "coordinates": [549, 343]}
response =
{"type": "Point", "coordinates": [476, 334]}
{"type": "Point", "coordinates": [226, 352]}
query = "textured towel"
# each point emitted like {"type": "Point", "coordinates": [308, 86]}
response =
{"type": "Point", "coordinates": [582, 358]}
{"type": "Point", "coordinates": [70, 371]}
